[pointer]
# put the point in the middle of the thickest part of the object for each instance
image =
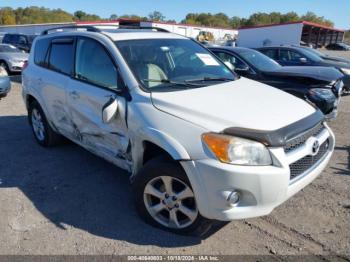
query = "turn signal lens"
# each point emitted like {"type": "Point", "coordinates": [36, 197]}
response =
{"type": "Point", "coordinates": [237, 150]}
{"type": "Point", "coordinates": [218, 144]}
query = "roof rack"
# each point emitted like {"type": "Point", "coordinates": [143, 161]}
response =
{"type": "Point", "coordinates": [95, 28]}
{"type": "Point", "coordinates": [87, 28]}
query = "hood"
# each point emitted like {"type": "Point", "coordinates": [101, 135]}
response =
{"type": "Point", "coordinates": [336, 58]}
{"type": "Point", "coordinates": [315, 72]}
{"type": "Point", "coordinates": [334, 63]}
{"type": "Point", "coordinates": [242, 103]}
{"type": "Point", "coordinates": [19, 56]}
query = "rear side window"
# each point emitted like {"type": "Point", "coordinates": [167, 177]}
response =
{"type": "Point", "coordinates": [62, 57]}
{"type": "Point", "coordinates": [272, 53]}
{"type": "Point", "coordinates": [40, 52]}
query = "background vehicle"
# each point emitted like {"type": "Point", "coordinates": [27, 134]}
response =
{"type": "Point", "coordinates": [298, 56]}
{"type": "Point", "coordinates": [338, 46]}
{"type": "Point", "coordinates": [5, 83]}
{"type": "Point", "coordinates": [326, 56]}
{"type": "Point", "coordinates": [21, 41]}
{"type": "Point", "coordinates": [320, 85]}
{"type": "Point", "coordinates": [11, 58]}
{"type": "Point", "coordinates": [159, 105]}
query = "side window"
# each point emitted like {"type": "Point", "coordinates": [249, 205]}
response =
{"type": "Point", "coordinates": [295, 56]}
{"type": "Point", "coordinates": [15, 39]}
{"type": "Point", "coordinates": [272, 53]}
{"type": "Point", "coordinates": [40, 52]}
{"type": "Point", "coordinates": [94, 65]}
{"type": "Point", "coordinates": [285, 55]}
{"type": "Point", "coordinates": [22, 40]}
{"type": "Point", "coordinates": [62, 57]}
{"type": "Point", "coordinates": [6, 39]}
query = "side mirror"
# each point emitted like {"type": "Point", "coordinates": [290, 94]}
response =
{"type": "Point", "coordinates": [110, 110]}
{"type": "Point", "coordinates": [243, 69]}
{"type": "Point", "coordinates": [303, 60]}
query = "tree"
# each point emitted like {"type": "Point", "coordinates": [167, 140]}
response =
{"type": "Point", "coordinates": [82, 16]}
{"type": "Point", "coordinates": [113, 17]}
{"type": "Point", "coordinates": [156, 16]}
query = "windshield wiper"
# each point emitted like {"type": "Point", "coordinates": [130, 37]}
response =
{"type": "Point", "coordinates": [207, 79]}
{"type": "Point", "coordinates": [167, 81]}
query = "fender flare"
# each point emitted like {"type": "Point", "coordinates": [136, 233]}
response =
{"type": "Point", "coordinates": [165, 141]}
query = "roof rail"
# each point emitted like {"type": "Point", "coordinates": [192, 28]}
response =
{"type": "Point", "coordinates": [143, 28]}
{"type": "Point", "coordinates": [95, 28]}
{"type": "Point", "coordinates": [87, 28]}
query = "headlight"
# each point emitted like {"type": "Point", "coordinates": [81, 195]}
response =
{"type": "Point", "coordinates": [235, 150]}
{"type": "Point", "coordinates": [322, 92]}
{"type": "Point", "coordinates": [345, 71]}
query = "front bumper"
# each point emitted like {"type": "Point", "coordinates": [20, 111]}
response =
{"type": "Point", "coordinates": [261, 188]}
{"type": "Point", "coordinates": [16, 66]}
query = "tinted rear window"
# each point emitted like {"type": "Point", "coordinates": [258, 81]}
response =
{"type": "Point", "coordinates": [62, 57]}
{"type": "Point", "coordinates": [272, 53]}
{"type": "Point", "coordinates": [40, 51]}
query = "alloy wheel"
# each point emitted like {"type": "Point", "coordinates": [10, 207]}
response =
{"type": "Point", "coordinates": [170, 202]}
{"type": "Point", "coordinates": [38, 125]}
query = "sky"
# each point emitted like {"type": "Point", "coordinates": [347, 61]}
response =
{"type": "Point", "coordinates": [336, 10]}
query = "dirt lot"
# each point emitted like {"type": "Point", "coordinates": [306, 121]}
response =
{"type": "Point", "coordinates": [67, 201]}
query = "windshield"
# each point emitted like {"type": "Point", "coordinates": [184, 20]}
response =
{"type": "Point", "coordinates": [258, 60]}
{"type": "Point", "coordinates": [160, 64]}
{"type": "Point", "coordinates": [9, 49]}
{"type": "Point", "coordinates": [310, 55]}
{"type": "Point", "coordinates": [318, 53]}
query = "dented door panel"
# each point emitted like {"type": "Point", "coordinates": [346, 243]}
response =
{"type": "Point", "coordinates": [53, 88]}
{"type": "Point", "coordinates": [109, 140]}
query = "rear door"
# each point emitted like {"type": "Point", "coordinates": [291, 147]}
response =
{"type": "Point", "coordinates": [97, 110]}
{"type": "Point", "coordinates": [55, 68]}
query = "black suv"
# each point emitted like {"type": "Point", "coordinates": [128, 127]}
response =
{"type": "Point", "coordinates": [299, 56]}
{"type": "Point", "coordinates": [21, 41]}
{"type": "Point", "coordinates": [320, 85]}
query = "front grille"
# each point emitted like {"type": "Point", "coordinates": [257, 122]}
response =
{"type": "Point", "coordinates": [306, 163]}
{"type": "Point", "coordinates": [300, 140]}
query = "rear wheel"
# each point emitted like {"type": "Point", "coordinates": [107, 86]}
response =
{"type": "Point", "coordinates": [165, 199]}
{"type": "Point", "coordinates": [42, 131]}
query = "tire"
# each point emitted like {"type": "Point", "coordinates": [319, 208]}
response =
{"type": "Point", "coordinates": [46, 136]}
{"type": "Point", "coordinates": [153, 173]}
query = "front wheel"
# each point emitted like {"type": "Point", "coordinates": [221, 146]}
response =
{"type": "Point", "coordinates": [164, 198]}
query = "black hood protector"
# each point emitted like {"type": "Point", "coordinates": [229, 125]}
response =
{"type": "Point", "coordinates": [279, 137]}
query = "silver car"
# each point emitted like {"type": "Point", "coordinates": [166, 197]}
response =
{"type": "Point", "coordinates": [11, 58]}
{"type": "Point", "coordinates": [5, 83]}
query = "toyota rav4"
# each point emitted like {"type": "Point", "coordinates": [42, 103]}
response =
{"type": "Point", "coordinates": [200, 143]}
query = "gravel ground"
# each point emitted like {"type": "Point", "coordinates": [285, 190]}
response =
{"type": "Point", "coordinates": [65, 200]}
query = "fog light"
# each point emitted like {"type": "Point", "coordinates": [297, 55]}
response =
{"type": "Point", "coordinates": [233, 198]}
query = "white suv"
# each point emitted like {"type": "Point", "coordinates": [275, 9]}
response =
{"type": "Point", "coordinates": [200, 143]}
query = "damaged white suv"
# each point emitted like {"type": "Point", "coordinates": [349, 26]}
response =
{"type": "Point", "coordinates": [200, 143]}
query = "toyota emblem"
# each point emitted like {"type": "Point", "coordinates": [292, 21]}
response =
{"type": "Point", "coordinates": [315, 147]}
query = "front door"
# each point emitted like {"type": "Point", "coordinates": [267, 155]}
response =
{"type": "Point", "coordinates": [97, 112]}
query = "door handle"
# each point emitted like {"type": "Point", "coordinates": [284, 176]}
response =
{"type": "Point", "coordinates": [74, 95]}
